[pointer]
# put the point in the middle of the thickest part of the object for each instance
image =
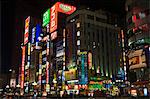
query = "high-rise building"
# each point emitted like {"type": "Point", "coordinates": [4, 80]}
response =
{"type": "Point", "coordinates": [43, 51]}
{"type": "Point", "coordinates": [94, 32]}
{"type": "Point", "coordinates": [138, 38]}
{"type": "Point", "coordinates": [27, 67]}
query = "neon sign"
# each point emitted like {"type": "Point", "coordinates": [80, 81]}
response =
{"type": "Point", "coordinates": [38, 32]}
{"type": "Point", "coordinates": [26, 34]}
{"type": "Point", "coordinates": [65, 8]}
{"type": "Point", "coordinates": [90, 60]}
{"type": "Point", "coordinates": [46, 17]}
{"type": "Point", "coordinates": [59, 7]}
{"type": "Point", "coordinates": [33, 36]}
{"type": "Point", "coordinates": [22, 67]}
{"type": "Point", "coordinates": [53, 24]}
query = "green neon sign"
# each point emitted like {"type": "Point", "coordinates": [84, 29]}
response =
{"type": "Point", "coordinates": [46, 17]}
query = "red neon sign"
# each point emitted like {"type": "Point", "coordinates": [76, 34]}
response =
{"type": "Point", "coordinates": [53, 23]}
{"type": "Point", "coordinates": [22, 67]}
{"type": "Point", "coordinates": [47, 72]}
{"type": "Point", "coordinates": [65, 8]}
{"type": "Point", "coordinates": [59, 7]}
{"type": "Point", "coordinates": [26, 34]}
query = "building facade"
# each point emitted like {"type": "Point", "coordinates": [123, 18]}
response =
{"type": "Point", "coordinates": [138, 29]}
{"type": "Point", "coordinates": [93, 31]}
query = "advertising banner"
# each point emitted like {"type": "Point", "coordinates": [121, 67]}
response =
{"type": "Point", "coordinates": [59, 7]}
{"type": "Point", "coordinates": [22, 67]}
{"type": "Point", "coordinates": [33, 35]}
{"type": "Point", "coordinates": [53, 18]}
{"type": "Point", "coordinates": [70, 75]}
{"type": "Point", "coordinates": [26, 34]}
{"type": "Point", "coordinates": [83, 74]}
{"type": "Point", "coordinates": [65, 8]}
{"type": "Point", "coordinates": [90, 60]}
{"type": "Point", "coordinates": [46, 17]}
{"type": "Point", "coordinates": [38, 32]}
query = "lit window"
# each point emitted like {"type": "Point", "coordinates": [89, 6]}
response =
{"type": "Point", "coordinates": [78, 33]}
{"type": "Point", "coordinates": [78, 25]}
{"type": "Point", "coordinates": [78, 42]}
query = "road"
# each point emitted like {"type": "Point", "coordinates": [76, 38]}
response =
{"type": "Point", "coordinates": [122, 97]}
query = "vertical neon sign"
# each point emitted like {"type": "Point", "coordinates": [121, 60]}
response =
{"type": "Point", "coordinates": [26, 34]}
{"type": "Point", "coordinates": [82, 69]}
{"type": "Point", "coordinates": [59, 7]}
{"type": "Point", "coordinates": [46, 17]}
{"type": "Point", "coordinates": [90, 60]}
{"type": "Point", "coordinates": [22, 67]}
{"type": "Point", "coordinates": [53, 23]}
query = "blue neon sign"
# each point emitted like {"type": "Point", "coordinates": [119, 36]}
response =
{"type": "Point", "coordinates": [38, 32]}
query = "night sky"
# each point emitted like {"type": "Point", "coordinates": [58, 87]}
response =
{"type": "Point", "coordinates": [14, 12]}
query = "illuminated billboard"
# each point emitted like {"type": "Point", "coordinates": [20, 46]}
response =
{"type": "Point", "coordinates": [90, 60]}
{"type": "Point", "coordinates": [26, 34]}
{"type": "Point", "coordinates": [70, 75]}
{"type": "Point", "coordinates": [83, 72]}
{"type": "Point", "coordinates": [65, 8]}
{"type": "Point", "coordinates": [22, 67]}
{"type": "Point", "coordinates": [38, 32]}
{"type": "Point", "coordinates": [59, 7]}
{"type": "Point", "coordinates": [53, 18]}
{"type": "Point", "coordinates": [33, 35]}
{"type": "Point", "coordinates": [46, 17]}
{"type": "Point", "coordinates": [137, 59]}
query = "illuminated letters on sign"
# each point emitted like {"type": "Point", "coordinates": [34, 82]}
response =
{"type": "Point", "coordinates": [90, 60]}
{"type": "Point", "coordinates": [59, 7]}
{"type": "Point", "coordinates": [46, 17]}
{"type": "Point", "coordinates": [22, 67]}
{"type": "Point", "coordinates": [53, 24]}
{"type": "Point", "coordinates": [65, 8]}
{"type": "Point", "coordinates": [26, 34]}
